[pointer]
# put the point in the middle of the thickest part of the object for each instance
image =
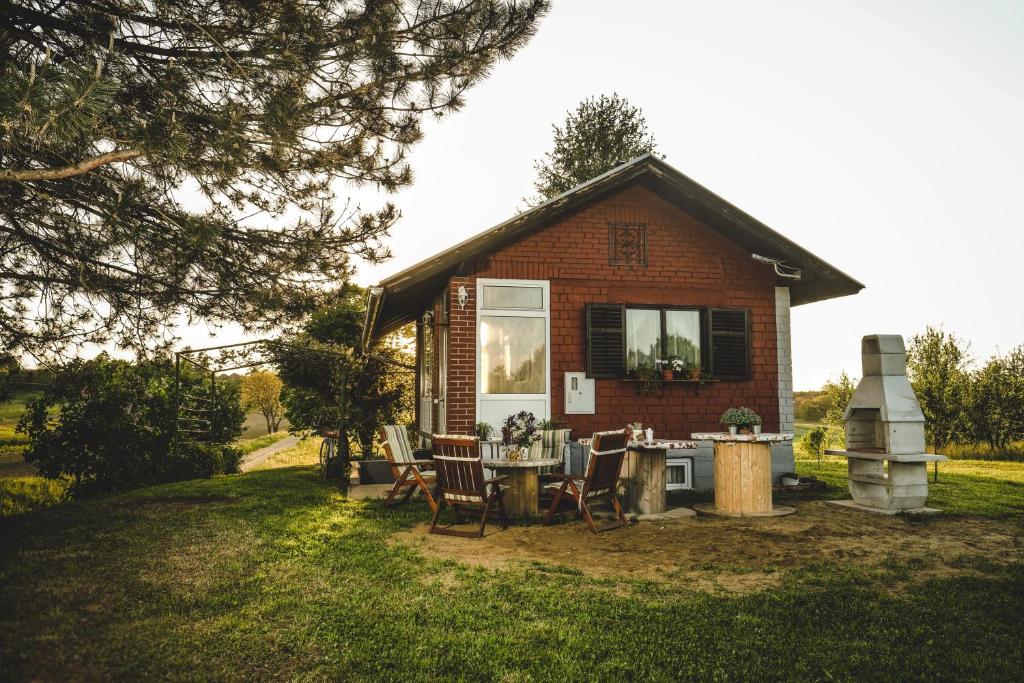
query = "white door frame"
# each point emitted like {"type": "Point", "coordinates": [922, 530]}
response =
{"type": "Point", "coordinates": [545, 313]}
{"type": "Point", "coordinates": [442, 380]}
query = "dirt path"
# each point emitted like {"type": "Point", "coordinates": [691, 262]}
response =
{"type": "Point", "coordinates": [258, 456]}
{"type": "Point", "coordinates": [738, 554]}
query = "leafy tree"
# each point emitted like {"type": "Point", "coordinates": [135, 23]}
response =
{"type": "Point", "coordinates": [602, 133]}
{"type": "Point", "coordinates": [171, 158]}
{"type": "Point", "coordinates": [261, 391]}
{"type": "Point", "coordinates": [322, 389]}
{"type": "Point", "coordinates": [838, 393]}
{"type": "Point", "coordinates": [996, 400]}
{"type": "Point", "coordinates": [937, 364]}
{"type": "Point", "coordinates": [814, 442]}
{"type": "Point", "coordinates": [109, 424]}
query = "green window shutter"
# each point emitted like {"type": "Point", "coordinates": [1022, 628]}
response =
{"type": "Point", "coordinates": [606, 353]}
{"type": "Point", "coordinates": [729, 337]}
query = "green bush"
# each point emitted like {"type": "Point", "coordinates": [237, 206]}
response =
{"type": "Point", "coordinates": [195, 460]}
{"type": "Point", "coordinates": [115, 426]}
{"type": "Point", "coordinates": [814, 442]}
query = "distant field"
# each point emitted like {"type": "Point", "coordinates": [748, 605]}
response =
{"type": "Point", "coordinates": [255, 426]}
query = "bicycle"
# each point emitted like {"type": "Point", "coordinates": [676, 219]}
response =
{"type": "Point", "coordinates": [328, 451]}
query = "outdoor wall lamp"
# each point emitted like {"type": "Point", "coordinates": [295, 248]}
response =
{"type": "Point", "coordinates": [463, 296]}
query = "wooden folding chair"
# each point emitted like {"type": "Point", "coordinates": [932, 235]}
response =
{"type": "Point", "coordinates": [606, 454]}
{"type": "Point", "coordinates": [461, 483]}
{"type": "Point", "coordinates": [409, 472]}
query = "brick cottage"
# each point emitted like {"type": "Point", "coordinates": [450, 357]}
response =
{"type": "Point", "coordinates": [559, 309]}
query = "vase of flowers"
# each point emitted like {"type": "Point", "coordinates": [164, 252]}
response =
{"type": "Point", "coordinates": [740, 420]}
{"type": "Point", "coordinates": [518, 433]}
{"type": "Point", "coordinates": [636, 431]}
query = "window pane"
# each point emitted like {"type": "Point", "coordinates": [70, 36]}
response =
{"type": "Point", "coordinates": [683, 330]}
{"type": "Point", "coordinates": [504, 296]}
{"type": "Point", "coordinates": [512, 355]}
{"type": "Point", "coordinates": [643, 336]}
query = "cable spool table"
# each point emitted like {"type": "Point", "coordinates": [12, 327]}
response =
{"type": "Point", "coordinates": [524, 483]}
{"type": "Point", "coordinates": [743, 474]}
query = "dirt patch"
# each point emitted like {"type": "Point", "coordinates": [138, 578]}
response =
{"type": "Point", "coordinates": [738, 555]}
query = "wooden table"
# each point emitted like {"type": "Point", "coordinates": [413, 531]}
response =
{"type": "Point", "coordinates": [524, 483]}
{"type": "Point", "coordinates": [643, 475]}
{"type": "Point", "coordinates": [743, 473]}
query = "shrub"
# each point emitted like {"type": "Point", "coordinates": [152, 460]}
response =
{"type": "Point", "coordinates": [814, 442]}
{"type": "Point", "coordinates": [115, 423]}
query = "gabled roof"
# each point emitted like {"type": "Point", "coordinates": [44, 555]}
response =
{"type": "Point", "coordinates": [402, 297]}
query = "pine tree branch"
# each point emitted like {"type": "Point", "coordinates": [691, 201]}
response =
{"type": "Point", "coordinates": [84, 166]}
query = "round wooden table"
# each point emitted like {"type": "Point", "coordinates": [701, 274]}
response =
{"type": "Point", "coordinates": [743, 474]}
{"type": "Point", "coordinates": [524, 483]}
{"type": "Point", "coordinates": [642, 478]}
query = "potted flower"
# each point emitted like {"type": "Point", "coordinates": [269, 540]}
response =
{"type": "Point", "coordinates": [483, 430]}
{"type": "Point", "coordinates": [665, 368]}
{"type": "Point", "coordinates": [636, 430]}
{"type": "Point", "coordinates": [518, 433]}
{"type": "Point", "coordinates": [741, 420]}
{"type": "Point", "coordinates": [695, 372]}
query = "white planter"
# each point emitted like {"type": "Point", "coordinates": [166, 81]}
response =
{"type": "Point", "coordinates": [733, 429]}
{"type": "Point", "coordinates": [791, 481]}
{"type": "Point", "coordinates": [757, 429]}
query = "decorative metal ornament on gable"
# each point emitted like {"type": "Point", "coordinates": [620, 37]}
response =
{"type": "Point", "coordinates": [887, 468]}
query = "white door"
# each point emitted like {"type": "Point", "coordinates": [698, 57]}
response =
{"type": "Point", "coordinates": [513, 359]}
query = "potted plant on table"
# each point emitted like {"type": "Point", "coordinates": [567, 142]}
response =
{"type": "Point", "coordinates": [741, 420]}
{"type": "Point", "coordinates": [519, 432]}
{"type": "Point", "coordinates": [636, 431]}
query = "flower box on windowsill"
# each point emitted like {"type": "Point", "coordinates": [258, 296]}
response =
{"type": "Point", "coordinates": [651, 387]}
{"type": "Point", "coordinates": [672, 381]}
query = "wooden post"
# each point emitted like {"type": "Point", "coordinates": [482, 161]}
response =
{"type": "Point", "coordinates": [743, 477]}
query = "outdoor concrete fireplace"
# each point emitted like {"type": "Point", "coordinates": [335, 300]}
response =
{"type": "Point", "coordinates": [887, 465]}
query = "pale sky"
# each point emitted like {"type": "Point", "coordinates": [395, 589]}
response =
{"type": "Point", "coordinates": [882, 135]}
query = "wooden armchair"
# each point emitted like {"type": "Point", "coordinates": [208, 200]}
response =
{"type": "Point", "coordinates": [461, 483]}
{"type": "Point", "coordinates": [606, 455]}
{"type": "Point", "coordinates": [409, 472]}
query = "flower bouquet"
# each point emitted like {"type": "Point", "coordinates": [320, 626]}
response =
{"type": "Point", "coordinates": [519, 432]}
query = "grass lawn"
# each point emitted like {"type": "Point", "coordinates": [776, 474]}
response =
{"type": "Point", "coordinates": [275, 574]}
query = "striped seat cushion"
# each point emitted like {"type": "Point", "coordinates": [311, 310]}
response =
{"type": "Point", "coordinates": [469, 498]}
{"type": "Point", "coordinates": [550, 444]}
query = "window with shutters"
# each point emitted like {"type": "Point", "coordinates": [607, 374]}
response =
{"type": "Point", "coordinates": [605, 351]}
{"type": "Point", "coordinates": [729, 336]}
{"type": "Point", "coordinates": [620, 338]}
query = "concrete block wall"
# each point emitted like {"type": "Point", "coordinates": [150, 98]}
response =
{"type": "Point", "coordinates": [784, 349]}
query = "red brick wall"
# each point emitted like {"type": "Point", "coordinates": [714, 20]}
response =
{"type": "Point", "coordinates": [687, 264]}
